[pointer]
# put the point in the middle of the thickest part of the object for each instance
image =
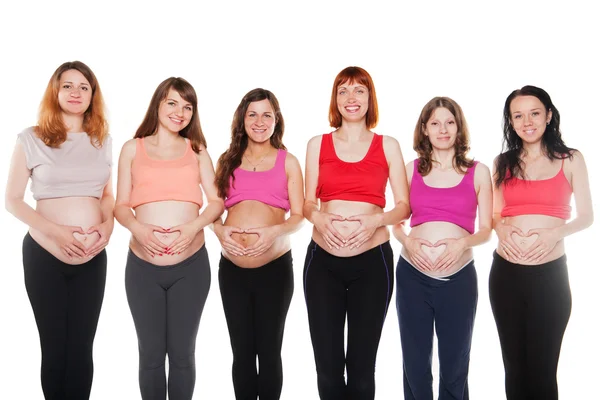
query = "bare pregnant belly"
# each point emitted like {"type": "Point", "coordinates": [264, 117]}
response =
{"type": "Point", "coordinates": [254, 214]}
{"type": "Point", "coordinates": [167, 214]}
{"type": "Point", "coordinates": [83, 212]}
{"type": "Point", "coordinates": [434, 232]}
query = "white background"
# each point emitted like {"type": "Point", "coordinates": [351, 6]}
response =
{"type": "Point", "coordinates": [476, 54]}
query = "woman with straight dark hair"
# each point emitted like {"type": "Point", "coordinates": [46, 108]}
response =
{"type": "Point", "coordinates": [68, 157]}
{"type": "Point", "coordinates": [529, 286]}
{"type": "Point", "coordinates": [162, 172]}
{"type": "Point", "coordinates": [260, 183]}
{"type": "Point", "coordinates": [436, 277]}
{"type": "Point", "coordinates": [348, 268]}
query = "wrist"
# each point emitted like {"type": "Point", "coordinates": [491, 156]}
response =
{"type": "Point", "coordinates": [379, 218]}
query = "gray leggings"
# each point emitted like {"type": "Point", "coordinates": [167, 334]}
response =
{"type": "Point", "coordinates": [166, 303]}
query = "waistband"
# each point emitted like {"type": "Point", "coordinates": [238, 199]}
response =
{"type": "Point", "coordinates": [367, 254]}
{"type": "Point", "coordinates": [559, 262]}
{"type": "Point", "coordinates": [131, 257]}
{"type": "Point", "coordinates": [439, 279]}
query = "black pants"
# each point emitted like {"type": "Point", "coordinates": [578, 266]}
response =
{"type": "Point", "coordinates": [166, 303]}
{"type": "Point", "coordinates": [66, 301]}
{"type": "Point", "coordinates": [531, 306]}
{"type": "Point", "coordinates": [256, 302]}
{"type": "Point", "coordinates": [359, 287]}
{"type": "Point", "coordinates": [450, 303]}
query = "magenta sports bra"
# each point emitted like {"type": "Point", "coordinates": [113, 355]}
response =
{"type": "Point", "coordinates": [269, 187]}
{"type": "Point", "coordinates": [456, 204]}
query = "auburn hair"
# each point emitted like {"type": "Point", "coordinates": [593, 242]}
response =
{"type": "Point", "coordinates": [362, 77]}
{"type": "Point", "coordinates": [232, 158]}
{"type": "Point", "coordinates": [423, 147]}
{"type": "Point", "coordinates": [51, 128]}
{"type": "Point", "coordinates": [150, 123]}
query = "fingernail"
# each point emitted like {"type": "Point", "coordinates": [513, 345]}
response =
{"type": "Point", "coordinates": [160, 254]}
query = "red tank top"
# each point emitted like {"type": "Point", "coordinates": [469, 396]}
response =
{"type": "Point", "coordinates": [550, 197]}
{"type": "Point", "coordinates": [364, 180]}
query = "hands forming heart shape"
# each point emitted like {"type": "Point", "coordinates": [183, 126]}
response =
{"type": "Point", "coordinates": [167, 238]}
{"type": "Point", "coordinates": [87, 239]}
{"type": "Point", "coordinates": [348, 227]}
{"type": "Point", "coordinates": [433, 252]}
{"type": "Point", "coordinates": [524, 242]}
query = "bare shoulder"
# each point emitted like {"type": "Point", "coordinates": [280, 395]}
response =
{"type": "Point", "coordinates": [481, 170]}
{"type": "Point", "coordinates": [576, 158]}
{"type": "Point", "coordinates": [390, 141]}
{"type": "Point", "coordinates": [202, 153]}
{"type": "Point", "coordinates": [314, 144]}
{"type": "Point", "coordinates": [291, 160]}
{"type": "Point", "coordinates": [128, 149]}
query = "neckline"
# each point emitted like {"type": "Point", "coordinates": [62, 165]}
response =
{"type": "Point", "coordinates": [352, 162]}
{"type": "Point", "coordinates": [266, 170]}
{"type": "Point", "coordinates": [449, 187]}
{"type": "Point", "coordinates": [187, 149]}
{"type": "Point", "coordinates": [543, 180]}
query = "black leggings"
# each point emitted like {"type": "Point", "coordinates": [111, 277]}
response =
{"type": "Point", "coordinates": [256, 302]}
{"type": "Point", "coordinates": [531, 306]}
{"type": "Point", "coordinates": [66, 301]}
{"type": "Point", "coordinates": [166, 303]}
{"type": "Point", "coordinates": [359, 287]}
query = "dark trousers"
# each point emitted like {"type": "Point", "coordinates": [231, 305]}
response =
{"type": "Point", "coordinates": [66, 301]}
{"type": "Point", "coordinates": [422, 301]}
{"type": "Point", "coordinates": [166, 304]}
{"type": "Point", "coordinates": [359, 287]}
{"type": "Point", "coordinates": [256, 302]}
{"type": "Point", "coordinates": [531, 306]}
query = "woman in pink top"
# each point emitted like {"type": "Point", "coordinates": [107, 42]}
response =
{"type": "Point", "coordinates": [436, 276]}
{"type": "Point", "coordinates": [535, 178]}
{"type": "Point", "coordinates": [260, 182]}
{"type": "Point", "coordinates": [68, 158]}
{"type": "Point", "coordinates": [167, 276]}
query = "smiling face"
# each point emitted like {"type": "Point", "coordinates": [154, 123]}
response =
{"type": "Point", "coordinates": [441, 129]}
{"type": "Point", "coordinates": [352, 101]}
{"type": "Point", "coordinates": [75, 93]}
{"type": "Point", "coordinates": [174, 112]}
{"type": "Point", "coordinates": [529, 118]}
{"type": "Point", "coordinates": [260, 121]}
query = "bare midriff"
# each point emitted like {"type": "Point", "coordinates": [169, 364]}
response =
{"type": "Point", "coordinates": [534, 221]}
{"type": "Point", "coordinates": [83, 212]}
{"type": "Point", "coordinates": [167, 214]}
{"type": "Point", "coordinates": [255, 214]}
{"type": "Point", "coordinates": [347, 209]}
{"type": "Point", "coordinates": [433, 232]}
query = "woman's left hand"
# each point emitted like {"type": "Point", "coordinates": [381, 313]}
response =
{"type": "Point", "coordinates": [452, 253]}
{"type": "Point", "coordinates": [368, 225]}
{"type": "Point", "coordinates": [187, 233]}
{"type": "Point", "coordinates": [266, 238]}
{"type": "Point", "coordinates": [104, 230]}
{"type": "Point", "coordinates": [543, 245]}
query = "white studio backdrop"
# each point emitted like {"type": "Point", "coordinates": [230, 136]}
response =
{"type": "Point", "coordinates": [475, 53]}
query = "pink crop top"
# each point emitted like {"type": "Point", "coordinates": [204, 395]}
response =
{"type": "Point", "coordinates": [162, 180]}
{"type": "Point", "coordinates": [456, 204]}
{"type": "Point", "coordinates": [74, 169]}
{"type": "Point", "coordinates": [269, 187]}
{"type": "Point", "coordinates": [550, 197]}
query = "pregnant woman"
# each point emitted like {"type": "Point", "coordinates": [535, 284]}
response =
{"type": "Point", "coordinates": [348, 267]}
{"type": "Point", "coordinates": [260, 182]}
{"type": "Point", "coordinates": [167, 276]}
{"type": "Point", "coordinates": [534, 178]}
{"type": "Point", "coordinates": [436, 277]}
{"type": "Point", "coordinates": [68, 157]}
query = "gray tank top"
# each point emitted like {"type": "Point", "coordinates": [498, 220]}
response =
{"type": "Point", "coordinates": [74, 169]}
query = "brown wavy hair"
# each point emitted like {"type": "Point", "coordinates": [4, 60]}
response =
{"type": "Point", "coordinates": [462, 144]}
{"type": "Point", "coordinates": [51, 128]}
{"type": "Point", "coordinates": [192, 131]}
{"type": "Point", "coordinates": [232, 158]}
{"type": "Point", "coordinates": [362, 77]}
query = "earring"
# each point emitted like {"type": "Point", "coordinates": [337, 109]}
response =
{"type": "Point", "coordinates": [548, 123]}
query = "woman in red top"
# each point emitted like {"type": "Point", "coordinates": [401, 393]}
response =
{"type": "Point", "coordinates": [348, 267]}
{"type": "Point", "coordinates": [529, 286]}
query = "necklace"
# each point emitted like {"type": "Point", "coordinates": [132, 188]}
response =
{"type": "Point", "coordinates": [256, 165]}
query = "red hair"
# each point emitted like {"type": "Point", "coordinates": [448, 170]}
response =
{"type": "Point", "coordinates": [362, 77]}
{"type": "Point", "coordinates": [51, 128]}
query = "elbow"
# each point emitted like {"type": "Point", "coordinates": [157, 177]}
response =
{"type": "Point", "coordinates": [10, 204]}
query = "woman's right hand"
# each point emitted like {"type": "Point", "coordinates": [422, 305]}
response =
{"type": "Point", "coordinates": [416, 253]}
{"type": "Point", "coordinates": [229, 245]}
{"type": "Point", "coordinates": [511, 250]}
{"type": "Point", "coordinates": [62, 235]}
{"type": "Point", "coordinates": [144, 234]}
{"type": "Point", "coordinates": [324, 223]}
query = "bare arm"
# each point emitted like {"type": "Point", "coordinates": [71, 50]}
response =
{"type": "Point", "coordinates": [483, 187]}
{"type": "Point", "coordinates": [122, 209]}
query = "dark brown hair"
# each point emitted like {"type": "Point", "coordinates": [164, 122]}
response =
{"type": "Point", "coordinates": [232, 158]}
{"type": "Point", "coordinates": [362, 77]}
{"type": "Point", "coordinates": [51, 128]}
{"type": "Point", "coordinates": [192, 131]}
{"type": "Point", "coordinates": [422, 145]}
